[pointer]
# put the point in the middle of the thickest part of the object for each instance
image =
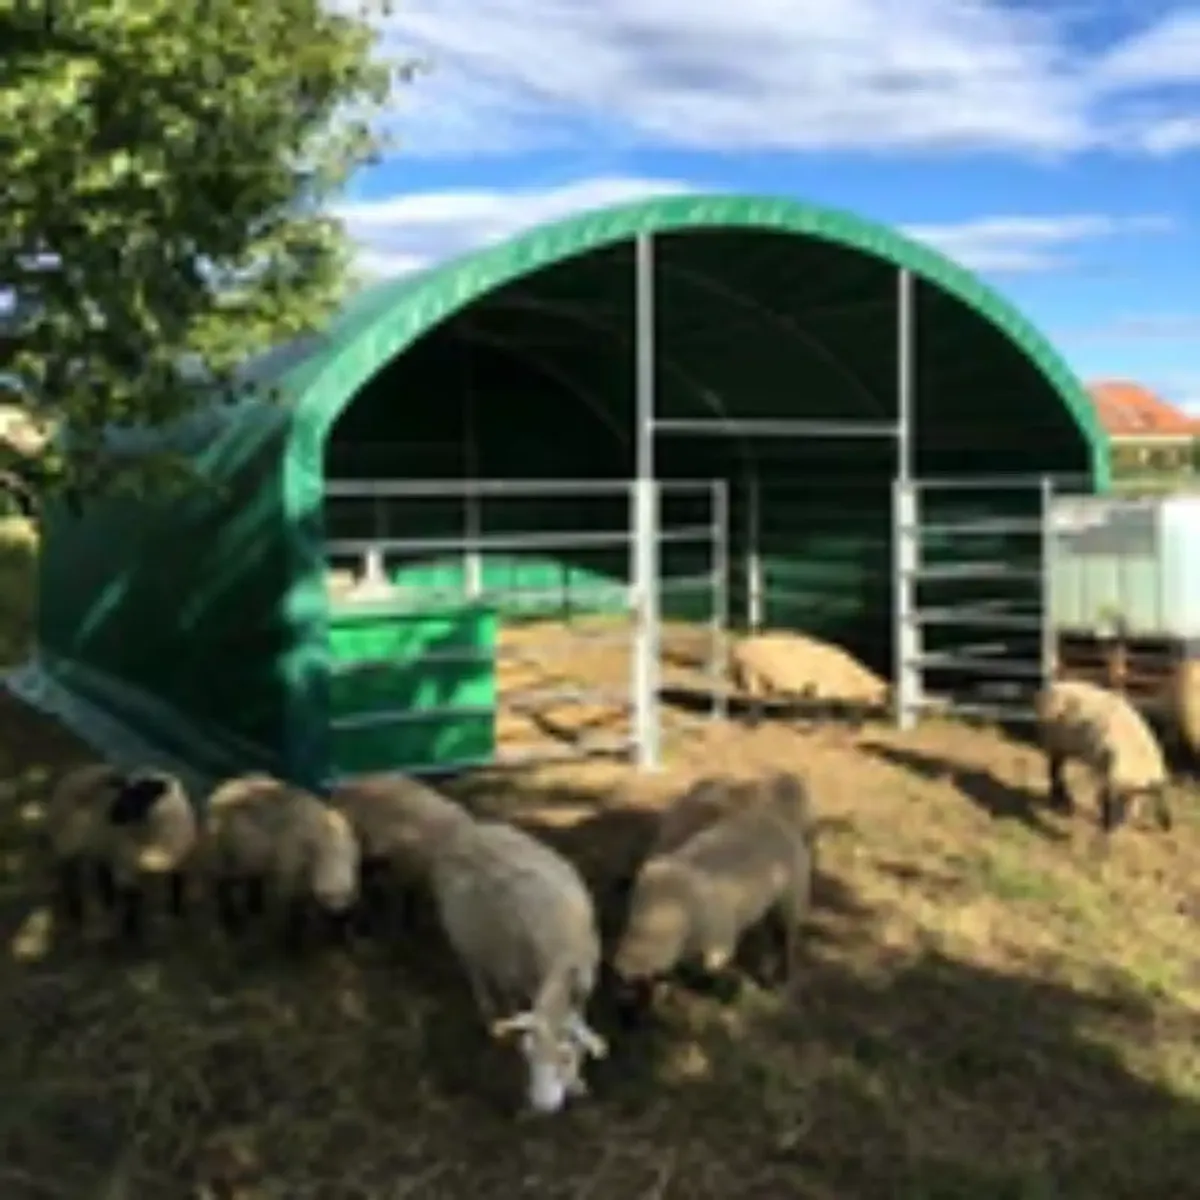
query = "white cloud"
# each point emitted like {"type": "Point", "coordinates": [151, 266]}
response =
{"type": "Point", "coordinates": [1170, 136]}
{"type": "Point", "coordinates": [869, 75]}
{"type": "Point", "coordinates": [405, 232]}
{"type": "Point", "coordinates": [1165, 53]}
{"type": "Point", "coordinates": [1018, 244]}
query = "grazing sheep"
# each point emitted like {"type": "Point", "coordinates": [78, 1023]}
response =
{"type": "Point", "coordinates": [694, 902]}
{"type": "Point", "coordinates": [267, 841]}
{"type": "Point", "coordinates": [123, 828]}
{"type": "Point", "coordinates": [796, 667]}
{"type": "Point", "coordinates": [1101, 729]}
{"type": "Point", "coordinates": [703, 804]}
{"type": "Point", "coordinates": [399, 822]}
{"type": "Point", "coordinates": [522, 924]}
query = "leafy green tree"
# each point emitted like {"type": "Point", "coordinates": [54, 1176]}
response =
{"type": "Point", "coordinates": [166, 168]}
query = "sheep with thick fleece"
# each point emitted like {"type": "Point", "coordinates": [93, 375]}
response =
{"type": "Point", "coordinates": [522, 923]}
{"type": "Point", "coordinates": [269, 843]}
{"type": "Point", "coordinates": [703, 804]}
{"type": "Point", "coordinates": [1081, 721]}
{"type": "Point", "coordinates": [793, 666]}
{"type": "Point", "coordinates": [124, 828]}
{"type": "Point", "coordinates": [694, 902]}
{"type": "Point", "coordinates": [399, 823]}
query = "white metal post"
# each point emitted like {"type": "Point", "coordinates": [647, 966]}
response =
{"type": "Point", "coordinates": [754, 579]}
{"type": "Point", "coordinates": [718, 671]}
{"type": "Point", "coordinates": [1049, 647]}
{"type": "Point", "coordinates": [472, 501]}
{"type": "Point", "coordinates": [906, 518]}
{"type": "Point", "coordinates": [645, 519]}
{"type": "Point", "coordinates": [374, 567]}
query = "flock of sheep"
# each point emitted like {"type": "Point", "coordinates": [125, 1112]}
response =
{"type": "Point", "coordinates": [517, 914]}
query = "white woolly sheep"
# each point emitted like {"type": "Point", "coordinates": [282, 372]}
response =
{"type": "Point", "coordinates": [268, 843]}
{"type": "Point", "coordinates": [693, 903]}
{"type": "Point", "coordinates": [399, 823]}
{"type": "Point", "coordinates": [793, 666]}
{"type": "Point", "coordinates": [1081, 721]}
{"type": "Point", "coordinates": [523, 926]}
{"type": "Point", "coordinates": [124, 829]}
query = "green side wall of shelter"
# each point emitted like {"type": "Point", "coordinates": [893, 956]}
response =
{"type": "Point", "coordinates": [204, 618]}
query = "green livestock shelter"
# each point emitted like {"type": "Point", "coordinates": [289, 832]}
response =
{"type": "Point", "coordinates": [206, 622]}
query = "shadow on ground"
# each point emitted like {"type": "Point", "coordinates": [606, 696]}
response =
{"type": "Point", "coordinates": [998, 799]}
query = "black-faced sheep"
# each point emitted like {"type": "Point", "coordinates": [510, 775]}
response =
{"type": "Point", "coordinates": [268, 843]}
{"type": "Point", "coordinates": [124, 829]}
{"type": "Point", "coordinates": [693, 902]}
{"type": "Point", "coordinates": [399, 823]}
{"type": "Point", "coordinates": [1083, 722]}
{"type": "Point", "coordinates": [522, 924]}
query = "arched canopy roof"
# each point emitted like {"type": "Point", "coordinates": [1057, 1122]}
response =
{"type": "Point", "coordinates": [319, 376]}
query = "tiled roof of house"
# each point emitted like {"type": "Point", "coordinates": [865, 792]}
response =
{"type": "Point", "coordinates": [1130, 410]}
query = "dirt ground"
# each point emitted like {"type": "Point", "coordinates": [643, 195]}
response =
{"type": "Point", "coordinates": [991, 1007]}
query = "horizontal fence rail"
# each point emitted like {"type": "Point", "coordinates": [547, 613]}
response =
{"type": "Point", "coordinates": [975, 625]}
{"type": "Point", "coordinates": [489, 547]}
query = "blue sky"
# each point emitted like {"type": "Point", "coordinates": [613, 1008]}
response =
{"type": "Point", "coordinates": [1051, 145]}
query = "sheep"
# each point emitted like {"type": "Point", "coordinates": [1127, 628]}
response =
{"type": "Point", "coordinates": [398, 822]}
{"type": "Point", "coordinates": [1082, 721]}
{"type": "Point", "coordinates": [693, 901]}
{"type": "Point", "coordinates": [521, 922]}
{"type": "Point", "coordinates": [794, 666]}
{"type": "Point", "coordinates": [266, 840]}
{"type": "Point", "coordinates": [125, 828]}
{"type": "Point", "coordinates": [703, 804]}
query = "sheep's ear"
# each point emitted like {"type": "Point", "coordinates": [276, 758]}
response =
{"type": "Point", "coordinates": [520, 1023]}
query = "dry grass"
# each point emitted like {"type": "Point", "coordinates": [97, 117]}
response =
{"type": "Point", "coordinates": [991, 1009]}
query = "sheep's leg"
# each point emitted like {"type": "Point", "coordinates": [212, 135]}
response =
{"type": "Point", "coordinates": [1114, 808]}
{"type": "Point", "coordinates": [176, 885]}
{"type": "Point", "coordinates": [106, 886]}
{"type": "Point", "coordinates": [254, 888]}
{"type": "Point", "coordinates": [338, 926]}
{"type": "Point", "coordinates": [230, 904]}
{"type": "Point", "coordinates": [132, 912]}
{"type": "Point", "coordinates": [1162, 809]}
{"type": "Point", "coordinates": [1060, 795]}
{"type": "Point", "coordinates": [70, 891]}
{"type": "Point", "coordinates": [296, 924]}
{"type": "Point", "coordinates": [370, 907]}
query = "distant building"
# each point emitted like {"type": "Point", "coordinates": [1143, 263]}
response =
{"type": "Point", "coordinates": [1146, 432]}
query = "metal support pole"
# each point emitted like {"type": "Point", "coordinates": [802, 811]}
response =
{"type": "Point", "coordinates": [906, 519]}
{"type": "Point", "coordinates": [718, 667]}
{"type": "Point", "coordinates": [472, 503]}
{"type": "Point", "coordinates": [754, 577]}
{"type": "Point", "coordinates": [374, 568]}
{"type": "Point", "coordinates": [1049, 646]}
{"type": "Point", "coordinates": [645, 520]}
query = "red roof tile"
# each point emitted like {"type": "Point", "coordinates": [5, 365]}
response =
{"type": "Point", "coordinates": [1130, 410]}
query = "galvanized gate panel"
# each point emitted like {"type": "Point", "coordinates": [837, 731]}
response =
{"type": "Point", "coordinates": [974, 631]}
{"type": "Point", "coordinates": [516, 580]}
